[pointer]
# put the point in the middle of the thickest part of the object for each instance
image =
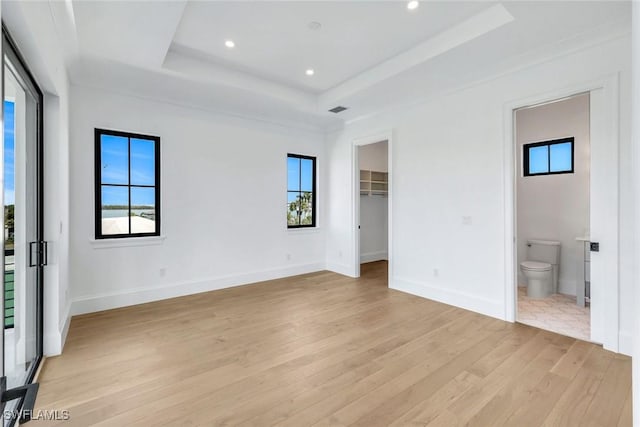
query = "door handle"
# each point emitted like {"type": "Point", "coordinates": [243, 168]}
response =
{"type": "Point", "coordinates": [594, 246]}
{"type": "Point", "coordinates": [42, 251]}
{"type": "Point", "coordinates": [45, 253]}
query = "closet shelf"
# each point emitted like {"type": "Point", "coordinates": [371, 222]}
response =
{"type": "Point", "coordinates": [374, 183]}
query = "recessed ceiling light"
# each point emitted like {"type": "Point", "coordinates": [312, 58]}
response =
{"type": "Point", "coordinates": [413, 5]}
{"type": "Point", "coordinates": [310, 72]}
{"type": "Point", "coordinates": [230, 44]}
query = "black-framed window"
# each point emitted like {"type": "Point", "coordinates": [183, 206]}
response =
{"type": "Point", "coordinates": [301, 191]}
{"type": "Point", "coordinates": [548, 157]}
{"type": "Point", "coordinates": [127, 184]}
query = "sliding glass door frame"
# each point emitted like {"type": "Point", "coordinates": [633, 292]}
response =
{"type": "Point", "coordinates": [20, 68]}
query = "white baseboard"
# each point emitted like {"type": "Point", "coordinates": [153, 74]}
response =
{"type": "Point", "coordinates": [107, 301]}
{"type": "Point", "coordinates": [345, 270]}
{"type": "Point", "coordinates": [54, 342]}
{"type": "Point", "coordinates": [625, 343]}
{"type": "Point", "coordinates": [64, 330]}
{"type": "Point", "coordinates": [374, 256]}
{"type": "Point", "coordinates": [458, 299]}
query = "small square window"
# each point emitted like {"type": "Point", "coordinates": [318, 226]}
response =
{"type": "Point", "coordinates": [548, 157]}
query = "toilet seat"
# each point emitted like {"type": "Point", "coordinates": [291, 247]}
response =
{"type": "Point", "coordinates": [536, 266]}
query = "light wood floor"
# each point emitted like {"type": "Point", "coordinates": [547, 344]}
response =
{"type": "Point", "coordinates": [322, 349]}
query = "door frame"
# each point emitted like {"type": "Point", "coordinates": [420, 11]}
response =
{"type": "Point", "coordinates": [14, 52]}
{"type": "Point", "coordinates": [607, 123]}
{"type": "Point", "coordinates": [385, 135]}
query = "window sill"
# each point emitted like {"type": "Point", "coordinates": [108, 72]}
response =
{"type": "Point", "coordinates": [127, 242]}
{"type": "Point", "coordinates": [304, 230]}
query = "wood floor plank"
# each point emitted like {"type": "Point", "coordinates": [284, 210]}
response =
{"type": "Point", "coordinates": [571, 407]}
{"type": "Point", "coordinates": [569, 365]}
{"type": "Point", "coordinates": [609, 400]}
{"type": "Point", "coordinates": [626, 420]}
{"type": "Point", "coordinates": [519, 390]}
{"type": "Point", "coordinates": [325, 349]}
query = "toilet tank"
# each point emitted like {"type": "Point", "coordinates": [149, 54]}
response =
{"type": "Point", "coordinates": [543, 251]}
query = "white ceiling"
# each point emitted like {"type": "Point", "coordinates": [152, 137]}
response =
{"type": "Point", "coordinates": [367, 55]}
{"type": "Point", "coordinates": [274, 40]}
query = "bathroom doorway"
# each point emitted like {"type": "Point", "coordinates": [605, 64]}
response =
{"type": "Point", "coordinates": [553, 215]}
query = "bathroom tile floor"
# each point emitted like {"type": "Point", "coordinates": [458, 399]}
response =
{"type": "Point", "coordinates": [557, 313]}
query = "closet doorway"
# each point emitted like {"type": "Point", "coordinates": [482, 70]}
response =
{"type": "Point", "coordinates": [373, 201]}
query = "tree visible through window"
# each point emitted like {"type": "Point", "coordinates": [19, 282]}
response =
{"type": "Point", "coordinates": [301, 191]}
{"type": "Point", "coordinates": [127, 184]}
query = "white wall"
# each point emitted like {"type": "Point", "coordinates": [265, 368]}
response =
{"type": "Point", "coordinates": [223, 204]}
{"type": "Point", "coordinates": [555, 207]}
{"type": "Point", "coordinates": [374, 156]}
{"type": "Point", "coordinates": [448, 163]}
{"type": "Point", "coordinates": [373, 209]}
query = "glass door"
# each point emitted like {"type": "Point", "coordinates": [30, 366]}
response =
{"type": "Point", "coordinates": [24, 250]}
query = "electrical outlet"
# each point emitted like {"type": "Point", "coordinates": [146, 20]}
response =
{"type": "Point", "coordinates": [436, 272]}
{"type": "Point", "coordinates": [467, 220]}
{"type": "Point", "coordinates": [163, 272]}
{"type": "Point", "coordinates": [288, 257]}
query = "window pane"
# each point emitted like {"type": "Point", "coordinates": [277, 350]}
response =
{"type": "Point", "coordinates": [539, 159]}
{"type": "Point", "coordinates": [306, 208]}
{"type": "Point", "coordinates": [143, 210]}
{"type": "Point", "coordinates": [9, 157]}
{"type": "Point", "coordinates": [143, 167]}
{"type": "Point", "coordinates": [114, 154]}
{"type": "Point", "coordinates": [293, 208]}
{"type": "Point", "coordinates": [561, 157]}
{"type": "Point", "coordinates": [306, 169]}
{"type": "Point", "coordinates": [293, 173]}
{"type": "Point", "coordinates": [115, 210]}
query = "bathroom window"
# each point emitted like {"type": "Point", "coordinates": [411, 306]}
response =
{"type": "Point", "coordinates": [548, 157]}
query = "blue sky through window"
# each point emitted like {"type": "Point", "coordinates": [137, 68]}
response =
{"type": "Point", "coordinates": [143, 196]}
{"type": "Point", "coordinates": [539, 159]}
{"type": "Point", "coordinates": [293, 174]}
{"type": "Point", "coordinates": [560, 157]}
{"type": "Point", "coordinates": [549, 157]}
{"type": "Point", "coordinates": [114, 157]}
{"type": "Point", "coordinates": [118, 196]}
{"type": "Point", "coordinates": [306, 178]}
{"type": "Point", "coordinates": [9, 150]}
{"type": "Point", "coordinates": [299, 174]}
{"type": "Point", "coordinates": [142, 162]}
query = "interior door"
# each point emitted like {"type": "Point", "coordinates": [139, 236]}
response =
{"type": "Point", "coordinates": [24, 254]}
{"type": "Point", "coordinates": [604, 221]}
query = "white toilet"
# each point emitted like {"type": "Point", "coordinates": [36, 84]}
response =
{"type": "Point", "coordinates": [541, 267]}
